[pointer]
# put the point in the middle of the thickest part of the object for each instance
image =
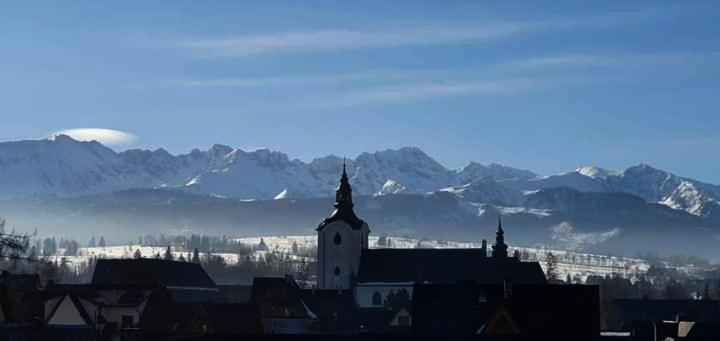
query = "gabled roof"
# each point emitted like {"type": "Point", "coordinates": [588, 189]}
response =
{"type": "Point", "coordinates": [444, 266]}
{"type": "Point", "coordinates": [73, 299]}
{"type": "Point", "coordinates": [150, 273]}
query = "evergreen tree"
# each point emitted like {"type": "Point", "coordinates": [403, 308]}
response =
{"type": "Point", "coordinates": [181, 258]}
{"type": "Point", "coordinates": [382, 241]}
{"type": "Point", "coordinates": [101, 243]}
{"type": "Point", "coordinates": [294, 248]}
{"type": "Point", "coordinates": [168, 254]}
{"type": "Point", "coordinates": [157, 255]}
{"type": "Point", "coordinates": [196, 256]}
{"type": "Point", "coordinates": [551, 267]}
{"type": "Point", "coordinates": [137, 254]}
{"type": "Point", "coordinates": [71, 248]}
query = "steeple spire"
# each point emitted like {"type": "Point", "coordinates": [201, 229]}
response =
{"type": "Point", "coordinates": [343, 204]}
{"type": "Point", "coordinates": [343, 193]}
{"type": "Point", "coordinates": [499, 250]}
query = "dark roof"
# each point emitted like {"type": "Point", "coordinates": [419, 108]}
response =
{"type": "Point", "coordinates": [550, 310]}
{"type": "Point", "coordinates": [20, 281]}
{"type": "Point", "coordinates": [235, 293]}
{"type": "Point", "coordinates": [444, 266]}
{"type": "Point", "coordinates": [164, 316]}
{"type": "Point", "coordinates": [150, 273]}
{"type": "Point", "coordinates": [639, 310]}
{"type": "Point", "coordinates": [278, 297]}
{"type": "Point", "coordinates": [335, 310]}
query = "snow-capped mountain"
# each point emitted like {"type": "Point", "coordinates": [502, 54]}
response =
{"type": "Point", "coordinates": [65, 167]}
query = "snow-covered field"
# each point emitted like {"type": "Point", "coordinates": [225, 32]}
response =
{"type": "Point", "coordinates": [572, 263]}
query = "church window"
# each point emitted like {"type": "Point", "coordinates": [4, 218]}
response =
{"type": "Point", "coordinates": [377, 299]}
{"type": "Point", "coordinates": [338, 238]}
{"type": "Point", "coordinates": [337, 271]}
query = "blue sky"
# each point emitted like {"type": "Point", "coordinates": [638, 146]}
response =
{"type": "Point", "coordinates": [547, 86]}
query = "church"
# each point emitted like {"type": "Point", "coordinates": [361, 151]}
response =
{"type": "Point", "coordinates": [345, 261]}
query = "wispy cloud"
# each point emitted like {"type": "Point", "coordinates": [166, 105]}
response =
{"type": "Point", "coordinates": [308, 80]}
{"type": "Point", "coordinates": [342, 39]}
{"type": "Point", "coordinates": [514, 67]}
{"type": "Point", "coordinates": [422, 91]}
{"type": "Point", "coordinates": [424, 34]}
{"type": "Point", "coordinates": [618, 59]}
{"type": "Point", "coordinates": [108, 137]}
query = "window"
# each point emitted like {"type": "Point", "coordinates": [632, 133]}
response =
{"type": "Point", "coordinates": [338, 238]}
{"type": "Point", "coordinates": [377, 299]}
{"type": "Point", "coordinates": [127, 321]}
{"type": "Point", "coordinates": [337, 271]}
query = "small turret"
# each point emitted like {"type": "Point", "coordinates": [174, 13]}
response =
{"type": "Point", "coordinates": [500, 249]}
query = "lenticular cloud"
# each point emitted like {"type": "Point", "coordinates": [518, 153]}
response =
{"type": "Point", "coordinates": [105, 136]}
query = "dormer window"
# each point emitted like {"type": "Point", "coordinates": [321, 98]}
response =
{"type": "Point", "coordinates": [338, 238]}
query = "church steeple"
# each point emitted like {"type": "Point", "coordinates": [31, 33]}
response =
{"type": "Point", "coordinates": [499, 250]}
{"type": "Point", "coordinates": [344, 204]}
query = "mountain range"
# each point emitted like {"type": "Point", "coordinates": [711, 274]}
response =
{"type": "Point", "coordinates": [65, 167]}
{"type": "Point", "coordinates": [403, 190]}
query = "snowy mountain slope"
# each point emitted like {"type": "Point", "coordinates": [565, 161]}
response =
{"type": "Point", "coordinates": [474, 171]}
{"type": "Point", "coordinates": [487, 190]}
{"type": "Point", "coordinates": [63, 166]}
{"type": "Point", "coordinates": [574, 180]}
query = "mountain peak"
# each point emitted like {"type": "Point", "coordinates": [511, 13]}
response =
{"type": "Point", "coordinates": [595, 172]}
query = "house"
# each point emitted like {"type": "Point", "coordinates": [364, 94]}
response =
{"type": "Point", "coordinates": [280, 305]}
{"type": "Point", "coordinates": [125, 285]}
{"type": "Point", "coordinates": [344, 260]}
{"type": "Point", "coordinates": [167, 316]}
{"type": "Point", "coordinates": [676, 319]}
{"type": "Point", "coordinates": [522, 310]}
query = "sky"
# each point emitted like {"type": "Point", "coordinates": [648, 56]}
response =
{"type": "Point", "coordinates": [543, 85]}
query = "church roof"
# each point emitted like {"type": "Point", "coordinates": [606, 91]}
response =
{"type": "Point", "coordinates": [444, 266]}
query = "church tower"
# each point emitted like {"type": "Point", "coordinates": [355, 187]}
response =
{"type": "Point", "coordinates": [500, 249]}
{"type": "Point", "coordinates": [341, 239]}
